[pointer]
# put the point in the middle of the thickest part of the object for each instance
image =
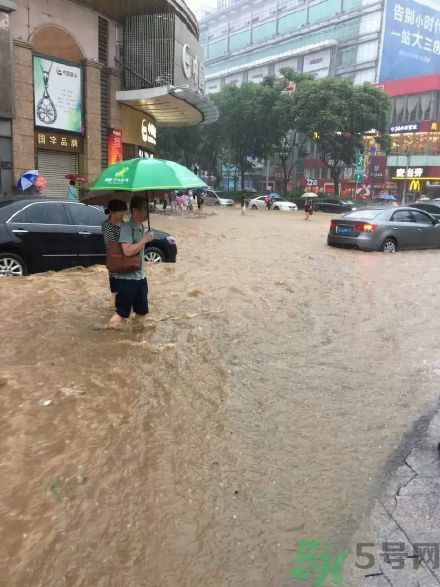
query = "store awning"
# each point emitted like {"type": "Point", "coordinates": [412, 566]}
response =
{"type": "Point", "coordinates": [171, 106]}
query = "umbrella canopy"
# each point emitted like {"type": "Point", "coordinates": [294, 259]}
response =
{"type": "Point", "coordinates": [310, 195]}
{"type": "Point", "coordinates": [137, 175]}
{"type": "Point", "coordinates": [104, 198]}
{"type": "Point", "coordinates": [387, 197]}
{"type": "Point", "coordinates": [76, 177]}
{"type": "Point", "coordinates": [27, 179]}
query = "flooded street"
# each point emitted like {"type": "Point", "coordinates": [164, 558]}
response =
{"type": "Point", "coordinates": [275, 379]}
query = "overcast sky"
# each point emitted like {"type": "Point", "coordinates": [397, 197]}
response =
{"type": "Point", "coordinates": [196, 5]}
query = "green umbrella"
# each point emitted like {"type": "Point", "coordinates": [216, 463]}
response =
{"type": "Point", "coordinates": [136, 175]}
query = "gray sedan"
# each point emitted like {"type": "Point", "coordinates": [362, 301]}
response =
{"type": "Point", "coordinates": [386, 230]}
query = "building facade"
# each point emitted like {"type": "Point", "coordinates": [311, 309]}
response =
{"type": "Point", "coordinates": [363, 40]}
{"type": "Point", "coordinates": [92, 81]}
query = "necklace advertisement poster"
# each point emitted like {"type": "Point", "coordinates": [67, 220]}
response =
{"type": "Point", "coordinates": [58, 96]}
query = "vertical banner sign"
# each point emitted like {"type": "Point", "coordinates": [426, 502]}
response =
{"type": "Point", "coordinates": [411, 42]}
{"type": "Point", "coordinates": [360, 167]}
{"type": "Point", "coordinates": [58, 102]}
{"type": "Point", "coordinates": [114, 146]}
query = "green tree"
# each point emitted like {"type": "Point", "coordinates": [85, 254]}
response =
{"type": "Point", "coordinates": [336, 113]}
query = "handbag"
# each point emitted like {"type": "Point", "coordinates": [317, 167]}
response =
{"type": "Point", "coordinates": [117, 262]}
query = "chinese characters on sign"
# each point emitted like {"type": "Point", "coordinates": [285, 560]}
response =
{"type": "Point", "coordinates": [58, 142]}
{"type": "Point", "coordinates": [412, 172]}
{"type": "Point", "coordinates": [114, 146]}
{"type": "Point", "coordinates": [400, 128]}
{"type": "Point", "coordinates": [411, 40]}
{"type": "Point", "coordinates": [322, 563]}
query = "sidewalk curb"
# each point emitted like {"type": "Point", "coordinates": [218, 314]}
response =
{"type": "Point", "coordinates": [409, 512]}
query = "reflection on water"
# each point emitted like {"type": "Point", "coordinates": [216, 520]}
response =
{"type": "Point", "coordinates": [273, 380]}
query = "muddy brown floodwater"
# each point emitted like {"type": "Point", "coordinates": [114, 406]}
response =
{"type": "Point", "coordinates": [259, 407]}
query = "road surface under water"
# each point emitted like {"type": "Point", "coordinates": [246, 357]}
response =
{"type": "Point", "coordinates": [259, 407]}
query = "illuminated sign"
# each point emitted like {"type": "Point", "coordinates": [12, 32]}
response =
{"type": "Point", "coordinates": [412, 172]}
{"type": "Point", "coordinates": [405, 127]}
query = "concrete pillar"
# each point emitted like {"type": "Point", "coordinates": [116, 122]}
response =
{"type": "Point", "coordinates": [23, 125]}
{"type": "Point", "coordinates": [91, 160]}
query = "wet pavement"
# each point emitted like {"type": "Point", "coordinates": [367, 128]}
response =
{"type": "Point", "coordinates": [265, 403]}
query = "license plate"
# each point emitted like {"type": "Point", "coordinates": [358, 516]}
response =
{"type": "Point", "coordinates": [344, 229]}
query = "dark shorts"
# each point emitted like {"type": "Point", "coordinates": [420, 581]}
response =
{"type": "Point", "coordinates": [113, 284]}
{"type": "Point", "coordinates": [132, 294]}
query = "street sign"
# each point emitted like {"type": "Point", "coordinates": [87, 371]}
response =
{"type": "Point", "coordinates": [360, 162]}
{"type": "Point", "coordinates": [358, 176]}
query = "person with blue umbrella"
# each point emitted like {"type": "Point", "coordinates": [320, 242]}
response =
{"type": "Point", "coordinates": [26, 182]}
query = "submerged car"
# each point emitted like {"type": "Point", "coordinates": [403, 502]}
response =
{"type": "Point", "coordinates": [334, 206]}
{"type": "Point", "coordinates": [213, 199]}
{"type": "Point", "coordinates": [388, 230]}
{"type": "Point", "coordinates": [277, 203]}
{"type": "Point", "coordinates": [44, 234]}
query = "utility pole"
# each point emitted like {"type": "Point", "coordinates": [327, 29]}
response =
{"type": "Point", "coordinates": [405, 182]}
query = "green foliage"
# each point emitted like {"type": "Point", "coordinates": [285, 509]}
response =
{"type": "Point", "coordinates": [336, 114]}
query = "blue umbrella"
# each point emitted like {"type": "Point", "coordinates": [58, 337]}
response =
{"type": "Point", "coordinates": [387, 197]}
{"type": "Point", "coordinates": [27, 179]}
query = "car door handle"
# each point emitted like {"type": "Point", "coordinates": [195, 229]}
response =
{"type": "Point", "coordinates": [84, 233]}
{"type": "Point", "coordinates": [420, 229]}
{"type": "Point", "coordinates": [20, 231]}
{"type": "Point", "coordinates": [395, 228]}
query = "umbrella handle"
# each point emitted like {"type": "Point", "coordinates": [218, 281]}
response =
{"type": "Point", "coordinates": [148, 211]}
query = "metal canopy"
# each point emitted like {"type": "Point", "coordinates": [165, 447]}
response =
{"type": "Point", "coordinates": [171, 106]}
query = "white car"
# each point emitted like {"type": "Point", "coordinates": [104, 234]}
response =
{"type": "Point", "coordinates": [213, 199]}
{"type": "Point", "coordinates": [277, 204]}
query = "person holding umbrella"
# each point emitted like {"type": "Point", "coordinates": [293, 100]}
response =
{"type": "Point", "coordinates": [132, 288]}
{"type": "Point", "coordinates": [111, 231]}
{"type": "Point", "coordinates": [72, 193]}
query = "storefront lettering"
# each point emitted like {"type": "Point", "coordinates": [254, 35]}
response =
{"type": "Point", "coordinates": [57, 142]}
{"type": "Point", "coordinates": [411, 172]}
{"type": "Point", "coordinates": [149, 132]}
{"type": "Point", "coordinates": [192, 68]}
{"type": "Point", "coordinates": [399, 128]}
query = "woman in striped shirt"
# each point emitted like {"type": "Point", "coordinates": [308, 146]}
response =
{"type": "Point", "coordinates": [111, 229]}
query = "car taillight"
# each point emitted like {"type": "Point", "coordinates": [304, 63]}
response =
{"type": "Point", "coordinates": [333, 224]}
{"type": "Point", "coordinates": [366, 227]}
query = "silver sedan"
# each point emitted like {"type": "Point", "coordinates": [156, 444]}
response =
{"type": "Point", "coordinates": [388, 230]}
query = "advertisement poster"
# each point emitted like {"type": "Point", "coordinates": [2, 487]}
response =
{"type": "Point", "coordinates": [114, 146]}
{"type": "Point", "coordinates": [411, 45]}
{"type": "Point", "coordinates": [58, 102]}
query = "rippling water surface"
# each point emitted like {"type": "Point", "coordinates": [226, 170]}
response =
{"type": "Point", "coordinates": [258, 407]}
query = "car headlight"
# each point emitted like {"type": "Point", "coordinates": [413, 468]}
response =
{"type": "Point", "coordinates": [171, 240]}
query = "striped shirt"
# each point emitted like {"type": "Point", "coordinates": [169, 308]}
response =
{"type": "Point", "coordinates": [111, 233]}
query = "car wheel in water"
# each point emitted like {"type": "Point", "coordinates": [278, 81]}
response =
{"type": "Point", "coordinates": [154, 255]}
{"type": "Point", "coordinates": [11, 265]}
{"type": "Point", "coordinates": [276, 208]}
{"type": "Point", "coordinates": [389, 246]}
{"type": "Point", "coordinates": [217, 204]}
{"type": "Point", "coordinates": [254, 207]}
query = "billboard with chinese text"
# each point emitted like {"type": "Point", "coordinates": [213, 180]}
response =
{"type": "Point", "coordinates": [58, 101]}
{"type": "Point", "coordinates": [411, 43]}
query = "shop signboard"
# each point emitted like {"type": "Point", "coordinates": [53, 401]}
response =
{"type": "Point", "coordinates": [52, 141]}
{"type": "Point", "coordinates": [58, 95]}
{"type": "Point", "coordinates": [114, 146]}
{"type": "Point", "coordinates": [411, 42]}
{"type": "Point", "coordinates": [138, 129]}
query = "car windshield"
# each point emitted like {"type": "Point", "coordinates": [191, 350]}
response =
{"type": "Point", "coordinates": [363, 214]}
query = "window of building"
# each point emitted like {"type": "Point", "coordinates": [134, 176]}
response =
{"type": "Point", "coordinates": [368, 75]}
{"type": "Point", "coordinates": [324, 10]}
{"type": "Point", "coordinates": [370, 23]}
{"type": "Point", "coordinates": [367, 51]}
{"type": "Point", "coordinates": [346, 57]}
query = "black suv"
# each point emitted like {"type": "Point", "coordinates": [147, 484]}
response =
{"type": "Point", "coordinates": [432, 208]}
{"type": "Point", "coordinates": [50, 234]}
{"type": "Point", "coordinates": [334, 205]}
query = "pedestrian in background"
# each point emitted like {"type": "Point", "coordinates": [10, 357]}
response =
{"type": "Point", "coordinates": [111, 230]}
{"type": "Point", "coordinates": [308, 209]}
{"type": "Point", "coordinates": [72, 192]}
{"type": "Point", "coordinates": [190, 202]}
{"type": "Point", "coordinates": [165, 200]}
{"type": "Point", "coordinates": [173, 197]}
{"type": "Point", "coordinates": [243, 203]}
{"type": "Point", "coordinates": [267, 201]}
{"type": "Point", "coordinates": [132, 288]}
{"type": "Point", "coordinates": [200, 200]}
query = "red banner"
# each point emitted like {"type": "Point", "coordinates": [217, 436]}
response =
{"type": "Point", "coordinates": [114, 146]}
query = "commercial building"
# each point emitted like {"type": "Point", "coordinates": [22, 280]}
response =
{"type": "Point", "coordinates": [92, 80]}
{"type": "Point", "coordinates": [364, 40]}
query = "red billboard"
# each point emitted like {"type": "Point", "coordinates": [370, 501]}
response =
{"type": "Point", "coordinates": [114, 146]}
